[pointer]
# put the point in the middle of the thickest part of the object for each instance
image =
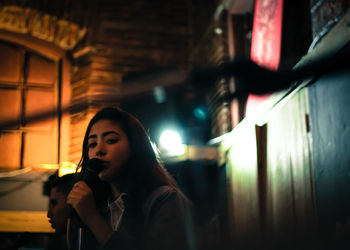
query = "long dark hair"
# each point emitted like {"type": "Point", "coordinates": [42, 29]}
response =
{"type": "Point", "coordinates": [143, 172]}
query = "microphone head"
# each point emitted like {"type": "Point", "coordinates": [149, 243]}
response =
{"type": "Point", "coordinates": [95, 165]}
{"type": "Point", "coordinates": [93, 168]}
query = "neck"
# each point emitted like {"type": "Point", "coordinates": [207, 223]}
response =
{"type": "Point", "coordinates": [115, 192]}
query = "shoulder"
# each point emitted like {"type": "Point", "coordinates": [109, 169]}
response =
{"type": "Point", "coordinates": [163, 198]}
{"type": "Point", "coordinates": [162, 194]}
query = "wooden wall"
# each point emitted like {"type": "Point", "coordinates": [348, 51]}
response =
{"type": "Point", "coordinates": [124, 38]}
{"type": "Point", "coordinates": [270, 174]}
{"type": "Point", "coordinates": [104, 40]}
{"type": "Point", "coordinates": [242, 175]}
{"type": "Point", "coordinates": [290, 185]}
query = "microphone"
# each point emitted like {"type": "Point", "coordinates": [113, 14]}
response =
{"type": "Point", "coordinates": [98, 187]}
{"type": "Point", "coordinates": [93, 168]}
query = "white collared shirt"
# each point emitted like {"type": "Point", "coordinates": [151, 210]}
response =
{"type": "Point", "coordinates": [116, 211]}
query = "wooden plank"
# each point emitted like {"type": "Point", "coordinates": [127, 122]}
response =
{"type": "Point", "coordinates": [24, 221]}
{"type": "Point", "coordinates": [243, 198]}
{"type": "Point", "coordinates": [290, 187]}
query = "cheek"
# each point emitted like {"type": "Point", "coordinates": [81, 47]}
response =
{"type": "Point", "coordinates": [121, 155]}
{"type": "Point", "coordinates": [90, 154]}
{"type": "Point", "coordinates": [126, 154]}
{"type": "Point", "coordinates": [62, 210]}
{"type": "Point", "coordinates": [55, 213]}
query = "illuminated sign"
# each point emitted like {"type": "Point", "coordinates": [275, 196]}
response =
{"type": "Point", "coordinates": [266, 41]}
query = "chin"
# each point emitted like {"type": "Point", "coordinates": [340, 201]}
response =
{"type": "Point", "coordinates": [104, 176]}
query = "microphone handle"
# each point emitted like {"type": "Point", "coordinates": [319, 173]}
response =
{"type": "Point", "coordinates": [75, 218]}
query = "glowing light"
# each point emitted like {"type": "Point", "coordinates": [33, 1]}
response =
{"type": "Point", "coordinates": [159, 94]}
{"type": "Point", "coordinates": [200, 113]}
{"type": "Point", "coordinates": [218, 31]}
{"type": "Point", "coordinates": [67, 168]}
{"type": "Point", "coordinates": [171, 143]}
{"type": "Point", "coordinates": [49, 166]}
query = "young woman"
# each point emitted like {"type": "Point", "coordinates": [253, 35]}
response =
{"type": "Point", "coordinates": [146, 209]}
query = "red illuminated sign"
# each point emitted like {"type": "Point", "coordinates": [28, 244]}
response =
{"type": "Point", "coordinates": [266, 40]}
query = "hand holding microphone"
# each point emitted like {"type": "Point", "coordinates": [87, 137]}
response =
{"type": "Point", "coordinates": [88, 193]}
{"type": "Point", "coordinates": [82, 200]}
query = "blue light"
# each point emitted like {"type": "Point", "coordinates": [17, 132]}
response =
{"type": "Point", "coordinates": [200, 113]}
{"type": "Point", "coordinates": [159, 94]}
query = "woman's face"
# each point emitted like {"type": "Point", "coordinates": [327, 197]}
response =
{"type": "Point", "coordinates": [108, 142]}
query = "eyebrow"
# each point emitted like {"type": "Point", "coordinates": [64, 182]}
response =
{"type": "Point", "coordinates": [104, 134]}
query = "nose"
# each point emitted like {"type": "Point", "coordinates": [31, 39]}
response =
{"type": "Point", "coordinates": [100, 151]}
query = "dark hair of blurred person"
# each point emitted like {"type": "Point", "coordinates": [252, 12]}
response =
{"type": "Point", "coordinates": [59, 211]}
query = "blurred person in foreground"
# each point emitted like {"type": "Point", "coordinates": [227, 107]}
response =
{"type": "Point", "coordinates": [59, 211]}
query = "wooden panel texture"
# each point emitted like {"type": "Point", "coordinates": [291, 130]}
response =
{"type": "Point", "coordinates": [28, 86]}
{"type": "Point", "coordinates": [290, 192]}
{"type": "Point", "coordinates": [242, 178]}
{"type": "Point", "coordinates": [271, 190]}
{"type": "Point", "coordinates": [9, 70]}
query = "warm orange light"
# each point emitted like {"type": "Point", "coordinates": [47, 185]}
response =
{"type": "Point", "coordinates": [67, 168]}
{"type": "Point", "coordinates": [48, 166]}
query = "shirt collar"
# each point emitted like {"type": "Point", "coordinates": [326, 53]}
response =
{"type": "Point", "coordinates": [119, 202]}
